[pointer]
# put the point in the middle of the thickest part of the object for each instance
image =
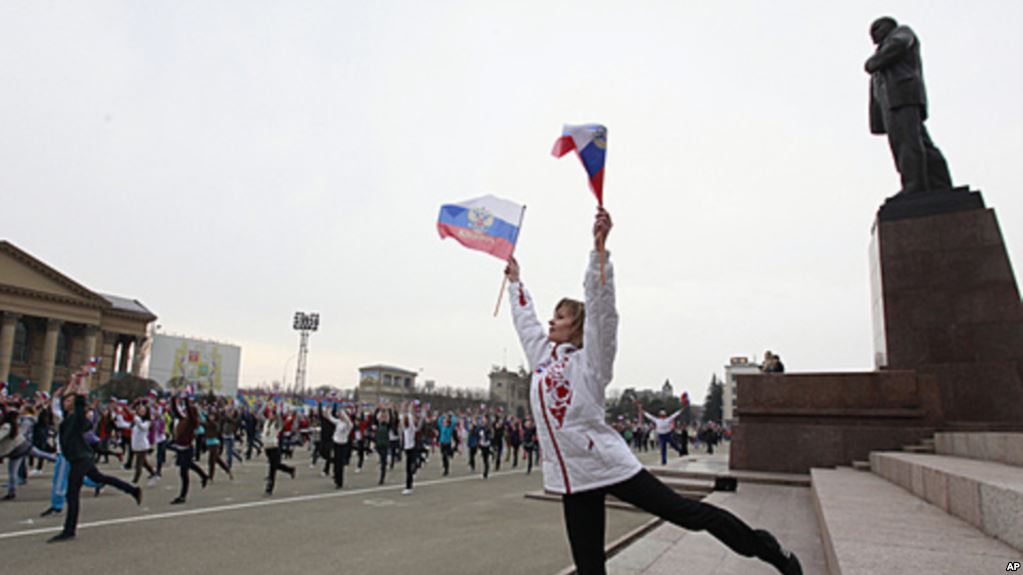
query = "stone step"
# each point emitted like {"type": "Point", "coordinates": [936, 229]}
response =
{"type": "Point", "coordinates": [1003, 447]}
{"type": "Point", "coordinates": [861, 465]}
{"type": "Point", "coordinates": [985, 494]}
{"type": "Point", "coordinates": [870, 526]}
{"type": "Point", "coordinates": [918, 448]}
{"type": "Point", "coordinates": [758, 477]}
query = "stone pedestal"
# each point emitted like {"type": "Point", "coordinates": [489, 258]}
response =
{"type": "Point", "coordinates": [946, 303]}
{"type": "Point", "coordinates": [948, 342]}
{"type": "Point", "coordinates": [790, 423]}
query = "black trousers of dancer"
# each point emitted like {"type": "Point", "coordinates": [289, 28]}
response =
{"type": "Point", "coordinates": [273, 455]}
{"type": "Point", "coordinates": [585, 517]}
{"type": "Point", "coordinates": [361, 447]}
{"type": "Point", "coordinates": [251, 441]}
{"type": "Point", "coordinates": [485, 455]}
{"type": "Point", "coordinates": [382, 453]}
{"type": "Point", "coordinates": [498, 452]}
{"type": "Point", "coordinates": [472, 457]}
{"type": "Point", "coordinates": [186, 462]}
{"type": "Point", "coordinates": [411, 464]}
{"type": "Point", "coordinates": [342, 453]}
{"type": "Point", "coordinates": [530, 452]}
{"type": "Point", "coordinates": [446, 453]}
{"type": "Point", "coordinates": [515, 455]}
{"type": "Point", "coordinates": [79, 471]}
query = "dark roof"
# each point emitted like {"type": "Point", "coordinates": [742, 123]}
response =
{"type": "Point", "coordinates": [382, 367]}
{"type": "Point", "coordinates": [127, 305]}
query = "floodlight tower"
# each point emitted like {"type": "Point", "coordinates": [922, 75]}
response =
{"type": "Point", "coordinates": [304, 324]}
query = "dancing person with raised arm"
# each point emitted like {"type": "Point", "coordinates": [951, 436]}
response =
{"type": "Point", "coordinates": [272, 436]}
{"type": "Point", "coordinates": [79, 456]}
{"type": "Point", "coordinates": [341, 451]}
{"type": "Point", "coordinates": [585, 458]}
{"type": "Point", "coordinates": [187, 417]}
{"type": "Point", "coordinates": [662, 425]}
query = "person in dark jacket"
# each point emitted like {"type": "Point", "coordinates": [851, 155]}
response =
{"type": "Point", "coordinates": [184, 438]}
{"type": "Point", "coordinates": [79, 455]}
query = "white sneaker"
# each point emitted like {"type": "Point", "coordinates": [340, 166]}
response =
{"type": "Point", "coordinates": [406, 492]}
{"type": "Point", "coordinates": [35, 473]}
{"type": "Point", "coordinates": [358, 470]}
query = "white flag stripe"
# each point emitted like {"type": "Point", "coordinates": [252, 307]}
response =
{"type": "Point", "coordinates": [503, 209]}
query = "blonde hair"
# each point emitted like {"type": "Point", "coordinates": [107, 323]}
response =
{"type": "Point", "coordinates": [577, 311]}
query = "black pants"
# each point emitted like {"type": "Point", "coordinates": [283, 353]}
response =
{"type": "Point", "coordinates": [185, 463]}
{"type": "Point", "coordinates": [81, 469]}
{"type": "Point", "coordinates": [530, 450]}
{"type": "Point", "coordinates": [446, 453]}
{"type": "Point", "coordinates": [485, 455]}
{"type": "Point", "coordinates": [411, 463]}
{"type": "Point", "coordinates": [515, 455]}
{"type": "Point", "coordinates": [382, 452]}
{"type": "Point", "coordinates": [252, 441]}
{"type": "Point", "coordinates": [584, 519]}
{"type": "Point", "coordinates": [472, 457]}
{"type": "Point", "coordinates": [360, 446]}
{"type": "Point", "coordinates": [498, 451]}
{"type": "Point", "coordinates": [342, 453]}
{"type": "Point", "coordinates": [921, 165]}
{"type": "Point", "coordinates": [273, 455]}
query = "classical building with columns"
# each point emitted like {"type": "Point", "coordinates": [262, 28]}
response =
{"type": "Point", "coordinates": [52, 325]}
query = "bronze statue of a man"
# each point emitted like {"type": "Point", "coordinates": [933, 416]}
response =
{"type": "Point", "coordinates": [898, 107]}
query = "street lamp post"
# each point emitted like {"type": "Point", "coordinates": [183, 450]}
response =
{"type": "Point", "coordinates": [304, 324]}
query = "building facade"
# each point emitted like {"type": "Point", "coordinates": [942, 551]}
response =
{"type": "Point", "coordinates": [51, 325]}
{"type": "Point", "coordinates": [510, 390]}
{"type": "Point", "coordinates": [736, 366]}
{"type": "Point", "coordinates": [379, 383]}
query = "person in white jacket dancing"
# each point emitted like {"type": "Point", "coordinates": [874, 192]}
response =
{"type": "Point", "coordinates": [584, 457]}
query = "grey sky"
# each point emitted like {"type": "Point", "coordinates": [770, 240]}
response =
{"type": "Point", "coordinates": [229, 163]}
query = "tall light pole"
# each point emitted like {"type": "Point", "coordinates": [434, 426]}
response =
{"type": "Point", "coordinates": [304, 324]}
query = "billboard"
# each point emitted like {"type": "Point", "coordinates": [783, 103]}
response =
{"type": "Point", "coordinates": [206, 365]}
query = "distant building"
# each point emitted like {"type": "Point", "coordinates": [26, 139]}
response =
{"type": "Point", "coordinates": [510, 390]}
{"type": "Point", "coordinates": [667, 390]}
{"type": "Point", "coordinates": [50, 325]}
{"type": "Point", "coordinates": [379, 383]}
{"type": "Point", "coordinates": [739, 365]}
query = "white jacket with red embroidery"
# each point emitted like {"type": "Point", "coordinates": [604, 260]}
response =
{"type": "Point", "coordinates": [581, 451]}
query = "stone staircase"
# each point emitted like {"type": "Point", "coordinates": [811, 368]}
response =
{"type": "Point", "coordinates": [951, 505]}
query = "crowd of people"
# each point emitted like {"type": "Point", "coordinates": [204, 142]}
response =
{"type": "Point", "coordinates": [207, 433]}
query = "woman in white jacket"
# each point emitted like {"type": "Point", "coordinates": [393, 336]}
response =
{"type": "Point", "coordinates": [584, 457]}
{"type": "Point", "coordinates": [140, 445]}
{"type": "Point", "coordinates": [342, 451]}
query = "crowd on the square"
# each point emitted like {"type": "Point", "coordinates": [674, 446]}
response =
{"type": "Point", "coordinates": [205, 433]}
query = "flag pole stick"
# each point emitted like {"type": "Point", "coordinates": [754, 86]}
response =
{"type": "Point", "coordinates": [600, 249]}
{"type": "Point", "coordinates": [504, 280]}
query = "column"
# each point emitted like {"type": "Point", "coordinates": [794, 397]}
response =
{"type": "Point", "coordinates": [106, 369]}
{"type": "Point", "coordinates": [137, 357]}
{"type": "Point", "coordinates": [49, 353]}
{"type": "Point", "coordinates": [122, 365]}
{"type": "Point", "coordinates": [7, 328]}
{"type": "Point", "coordinates": [91, 332]}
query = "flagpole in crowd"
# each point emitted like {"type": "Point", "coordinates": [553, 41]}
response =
{"type": "Point", "coordinates": [504, 280]}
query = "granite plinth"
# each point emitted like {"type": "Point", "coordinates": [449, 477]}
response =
{"type": "Point", "coordinates": [791, 423]}
{"type": "Point", "coordinates": [946, 304]}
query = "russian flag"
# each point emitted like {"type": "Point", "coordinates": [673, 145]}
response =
{"type": "Point", "coordinates": [590, 142]}
{"type": "Point", "coordinates": [488, 224]}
